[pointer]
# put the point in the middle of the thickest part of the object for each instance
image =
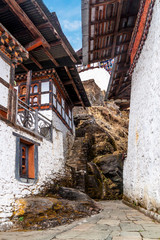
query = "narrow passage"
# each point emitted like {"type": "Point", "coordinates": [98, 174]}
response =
{"type": "Point", "coordinates": [116, 222]}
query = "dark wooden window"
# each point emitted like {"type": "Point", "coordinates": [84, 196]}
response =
{"type": "Point", "coordinates": [23, 160]}
{"type": "Point", "coordinates": [26, 161]}
{"type": "Point", "coordinates": [54, 96]}
{"type": "Point", "coordinates": [33, 100]}
{"type": "Point", "coordinates": [59, 100]}
{"type": "Point", "coordinates": [23, 90]}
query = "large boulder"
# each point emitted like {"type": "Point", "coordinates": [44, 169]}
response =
{"type": "Point", "coordinates": [105, 177]}
{"type": "Point", "coordinates": [111, 166]}
{"type": "Point", "coordinates": [43, 212]}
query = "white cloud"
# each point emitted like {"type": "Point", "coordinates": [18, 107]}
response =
{"type": "Point", "coordinates": [71, 26]}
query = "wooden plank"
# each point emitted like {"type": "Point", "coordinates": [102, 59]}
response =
{"type": "Point", "coordinates": [35, 61]}
{"type": "Point", "coordinates": [67, 83]}
{"type": "Point", "coordinates": [125, 89]}
{"type": "Point", "coordinates": [105, 2]}
{"type": "Point", "coordinates": [17, 10]}
{"type": "Point", "coordinates": [117, 27]}
{"type": "Point", "coordinates": [121, 31]}
{"type": "Point", "coordinates": [31, 166]}
{"type": "Point", "coordinates": [34, 44]}
{"type": "Point", "coordinates": [103, 20]}
{"type": "Point", "coordinates": [74, 85]}
{"type": "Point", "coordinates": [119, 84]}
{"type": "Point", "coordinates": [24, 67]}
{"type": "Point", "coordinates": [51, 57]}
{"type": "Point", "coordinates": [54, 30]}
{"type": "Point", "coordinates": [109, 47]}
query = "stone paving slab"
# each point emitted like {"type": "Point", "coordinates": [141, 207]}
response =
{"type": "Point", "coordinates": [116, 222]}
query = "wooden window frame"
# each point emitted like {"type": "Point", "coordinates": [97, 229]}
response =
{"type": "Point", "coordinates": [31, 175]}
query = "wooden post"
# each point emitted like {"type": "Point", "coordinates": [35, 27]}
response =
{"type": "Point", "coordinates": [36, 120]}
{"type": "Point", "coordinates": [29, 78]}
{"type": "Point", "coordinates": [27, 98]}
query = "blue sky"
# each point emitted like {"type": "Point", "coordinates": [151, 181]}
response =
{"type": "Point", "coordinates": [69, 15]}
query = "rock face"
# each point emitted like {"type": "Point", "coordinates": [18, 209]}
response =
{"type": "Point", "coordinates": [94, 93]}
{"type": "Point", "coordinates": [43, 212]}
{"type": "Point", "coordinates": [96, 157]}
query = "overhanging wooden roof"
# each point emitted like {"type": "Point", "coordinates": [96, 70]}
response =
{"type": "Point", "coordinates": [39, 31]}
{"type": "Point", "coordinates": [107, 27]}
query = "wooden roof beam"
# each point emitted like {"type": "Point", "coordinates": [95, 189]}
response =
{"type": "Point", "coordinates": [51, 57]}
{"type": "Point", "coordinates": [117, 27]}
{"type": "Point", "coordinates": [104, 3]}
{"type": "Point", "coordinates": [119, 84]}
{"type": "Point", "coordinates": [17, 10]}
{"type": "Point", "coordinates": [121, 31]}
{"type": "Point", "coordinates": [24, 67]}
{"type": "Point", "coordinates": [103, 20]}
{"type": "Point", "coordinates": [74, 85]}
{"type": "Point", "coordinates": [67, 82]}
{"type": "Point", "coordinates": [55, 31]}
{"type": "Point", "coordinates": [35, 61]}
{"type": "Point", "coordinates": [106, 48]}
{"type": "Point", "coordinates": [34, 44]}
{"type": "Point", "coordinates": [5, 9]}
{"type": "Point", "coordinates": [125, 89]}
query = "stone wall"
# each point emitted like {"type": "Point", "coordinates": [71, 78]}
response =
{"type": "Point", "coordinates": [141, 168]}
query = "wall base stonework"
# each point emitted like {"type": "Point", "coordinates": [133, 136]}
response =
{"type": "Point", "coordinates": [148, 213]}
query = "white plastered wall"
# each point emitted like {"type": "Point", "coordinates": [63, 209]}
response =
{"type": "Point", "coordinates": [50, 165]}
{"type": "Point", "coordinates": [5, 75]}
{"type": "Point", "coordinates": [68, 137]}
{"type": "Point", "coordinates": [142, 166]}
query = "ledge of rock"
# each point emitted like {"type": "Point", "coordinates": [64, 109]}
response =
{"type": "Point", "coordinates": [43, 212]}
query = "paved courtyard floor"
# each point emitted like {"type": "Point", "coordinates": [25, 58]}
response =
{"type": "Point", "coordinates": [116, 222]}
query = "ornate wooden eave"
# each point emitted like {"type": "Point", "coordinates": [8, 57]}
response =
{"type": "Point", "coordinates": [11, 47]}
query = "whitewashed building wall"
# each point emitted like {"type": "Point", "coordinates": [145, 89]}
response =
{"type": "Point", "coordinates": [5, 74]}
{"type": "Point", "coordinates": [51, 158]}
{"type": "Point", "coordinates": [50, 163]}
{"type": "Point", "coordinates": [142, 166]}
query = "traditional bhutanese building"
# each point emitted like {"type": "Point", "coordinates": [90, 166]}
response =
{"type": "Point", "coordinates": [129, 32]}
{"type": "Point", "coordinates": [39, 87]}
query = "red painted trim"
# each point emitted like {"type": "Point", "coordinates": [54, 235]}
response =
{"type": "Point", "coordinates": [140, 30]}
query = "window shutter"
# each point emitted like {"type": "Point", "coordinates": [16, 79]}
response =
{"type": "Point", "coordinates": [31, 165]}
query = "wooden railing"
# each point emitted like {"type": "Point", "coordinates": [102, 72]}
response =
{"type": "Point", "coordinates": [31, 119]}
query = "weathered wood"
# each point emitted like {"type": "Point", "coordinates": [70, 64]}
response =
{"type": "Point", "coordinates": [28, 84]}
{"type": "Point", "coordinates": [119, 84]}
{"type": "Point", "coordinates": [34, 44]}
{"type": "Point", "coordinates": [54, 30]}
{"type": "Point", "coordinates": [124, 89]}
{"type": "Point", "coordinates": [105, 2]}
{"type": "Point", "coordinates": [103, 20]}
{"type": "Point", "coordinates": [109, 47]}
{"type": "Point", "coordinates": [17, 10]}
{"type": "Point", "coordinates": [117, 27]}
{"type": "Point", "coordinates": [24, 67]}
{"type": "Point", "coordinates": [67, 83]}
{"type": "Point", "coordinates": [74, 85]}
{"type": "Point", "coordinates": [51, 57]}
{"type": "Point", "coordinates": [35, 61]}
{"type": "Point", "coordinates": [120, 32]}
